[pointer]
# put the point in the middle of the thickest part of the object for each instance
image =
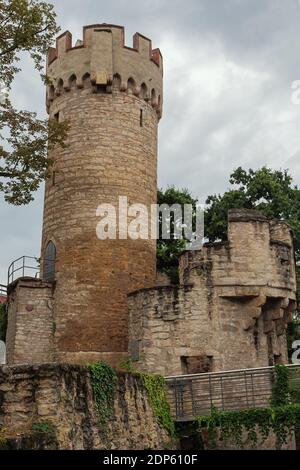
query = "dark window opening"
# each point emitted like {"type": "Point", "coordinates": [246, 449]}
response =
{"type": "Point", "coordinates": [270, 350]}
{"type": "Point", "coordinates": [141, 118]}
{"type": "Point", "coordinates": [196, 364]}
{"type": "Point", "coordinates": [53, 178]}
{"type": "Point", "coordinates": [49, 263]}
{"type": "Point", "coordinates": [100, 88]}
{"type": "Point", "coordinates": [56, 117]}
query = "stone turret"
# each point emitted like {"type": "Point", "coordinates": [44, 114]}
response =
{"type": "Point", "coordinates": [111, 95]}
{"type": "Point", "coordinates": [231, 309]}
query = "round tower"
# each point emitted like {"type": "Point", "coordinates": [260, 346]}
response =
{"type": "Point", "coordinates": [111, 95]}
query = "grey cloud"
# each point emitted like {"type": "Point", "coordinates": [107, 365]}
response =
{"type": "Point", "coordinates": [229, 65]}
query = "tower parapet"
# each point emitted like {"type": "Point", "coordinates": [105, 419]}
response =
{"type": "Point", "coordinates": [231, 309]}
{"type": "Point", "coordinates": [101, 61]}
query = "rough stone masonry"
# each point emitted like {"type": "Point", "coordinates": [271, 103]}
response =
{"type": "Point", "coordinates": [101, 299]}
{"type": "Point", "coordinates": [61, 397]}
{"type": "Point", "coordinates": [112, 97]}
{"type": "Point", "coordinates": [231, 308]}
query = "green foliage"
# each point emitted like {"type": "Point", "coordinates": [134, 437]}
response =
{"type": "Point", "coordinates": [3, 321]}
{"type": "Point", "coordinates": [168, 251]}
{"type": "Point", "coordinates": [250, 425]}
{"type": "Point", "coordinates": [280, 389]}
{"type": "Point", "coordinates": [3, 438]}
{"type": "Point", "coordinates": [282, 418]}
{"type": "Point", "coordinates": [26, 26]}
{"type": "Point", "coordinates": [128, 366]}
{"type": "Point", "coordinates": [44, 427]}
{"type": "Point", "coordinates": [104, 379]}
{"type": "Point", "coordinates": [294, 384]}
{"type": "Point", "coordinates": [156, 391]}
{"type": "Point", "coordinates": [272, 192]}
{"type": "Point", "coordinates": [24, 163]}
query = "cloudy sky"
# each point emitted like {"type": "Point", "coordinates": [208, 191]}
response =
{"type": "Point", "coordinates": [229, 66]}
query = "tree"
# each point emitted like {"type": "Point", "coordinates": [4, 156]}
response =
{"type": "Point", "coordinates": [168, 251]}
{"type": "Point", "coordinates": [272, 192]}
{"type": "Point", "coordinates": [26, 26]}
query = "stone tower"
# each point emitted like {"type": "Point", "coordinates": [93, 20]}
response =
{"type": "Point", "coordinates": [111, 95]}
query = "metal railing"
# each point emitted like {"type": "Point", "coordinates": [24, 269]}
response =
{"type": "Point", "coordinates": [194, 395]}
{"type": "Point", "coordinates": [3, 290]}
{"type": "Point", "coordinates": [25, 266]}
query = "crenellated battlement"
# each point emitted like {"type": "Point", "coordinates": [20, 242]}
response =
{"type": "Point", "coordinates": [102, 61]}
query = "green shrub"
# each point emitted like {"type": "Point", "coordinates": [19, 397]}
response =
{"type": "Point", "coordinates": [281, 418]}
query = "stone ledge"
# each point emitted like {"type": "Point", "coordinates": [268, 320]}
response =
{"type": "Point", "coordinates": [246, 215]}
{"type": "Point", "coordinates": [30, 282]}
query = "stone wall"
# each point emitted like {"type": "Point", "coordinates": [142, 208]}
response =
{"type": "Point", "coordinates": [231, 309]}
{"type": "Point", "coordinates": [62, 396]}
{"type": "Point", "coordinates": [31, 325]}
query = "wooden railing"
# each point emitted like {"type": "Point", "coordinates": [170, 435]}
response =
{"type": "Point", "coordinates": [195, 395]}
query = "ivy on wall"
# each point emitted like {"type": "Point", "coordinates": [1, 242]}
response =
{"type": "Point", "coordinates": [104, 379]}
{"type": "Point", "coordinates": [256, 424]}
{"type": "Point", "coordinates": [253, 425]}
{"type": "Point", "coordinates": [280, 389]}
{"type": "Point", "coordinates": [156, 391]}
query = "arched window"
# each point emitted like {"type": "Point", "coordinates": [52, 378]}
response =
{"type": "Point", "coordinates": [60, 86]}
{"type": "Point", "coordinates": [130, 85]}
{"type": "Point", "coordinates": [144, 91]}
{"type": "Point", "coordinates": [86, 80]}
{"type": "Point", "coordinates": [72, 81]}
{"type": "Point", "coordinates": [153, 98]}
{"type": "Point", "coordinates": [117, 81]}
{"type": "Point", "coordinates": [49, 263]}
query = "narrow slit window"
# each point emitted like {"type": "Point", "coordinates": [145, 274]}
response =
{"type": "Point", "coordinates": [141, 118]}
{"type": "Point", "coordinates": [53, 178]}
{"type": "Point", "coordinates": [56, 116]}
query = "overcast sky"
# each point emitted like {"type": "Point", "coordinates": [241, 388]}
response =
{"type": "Point", "coordinates": [229, 66]}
